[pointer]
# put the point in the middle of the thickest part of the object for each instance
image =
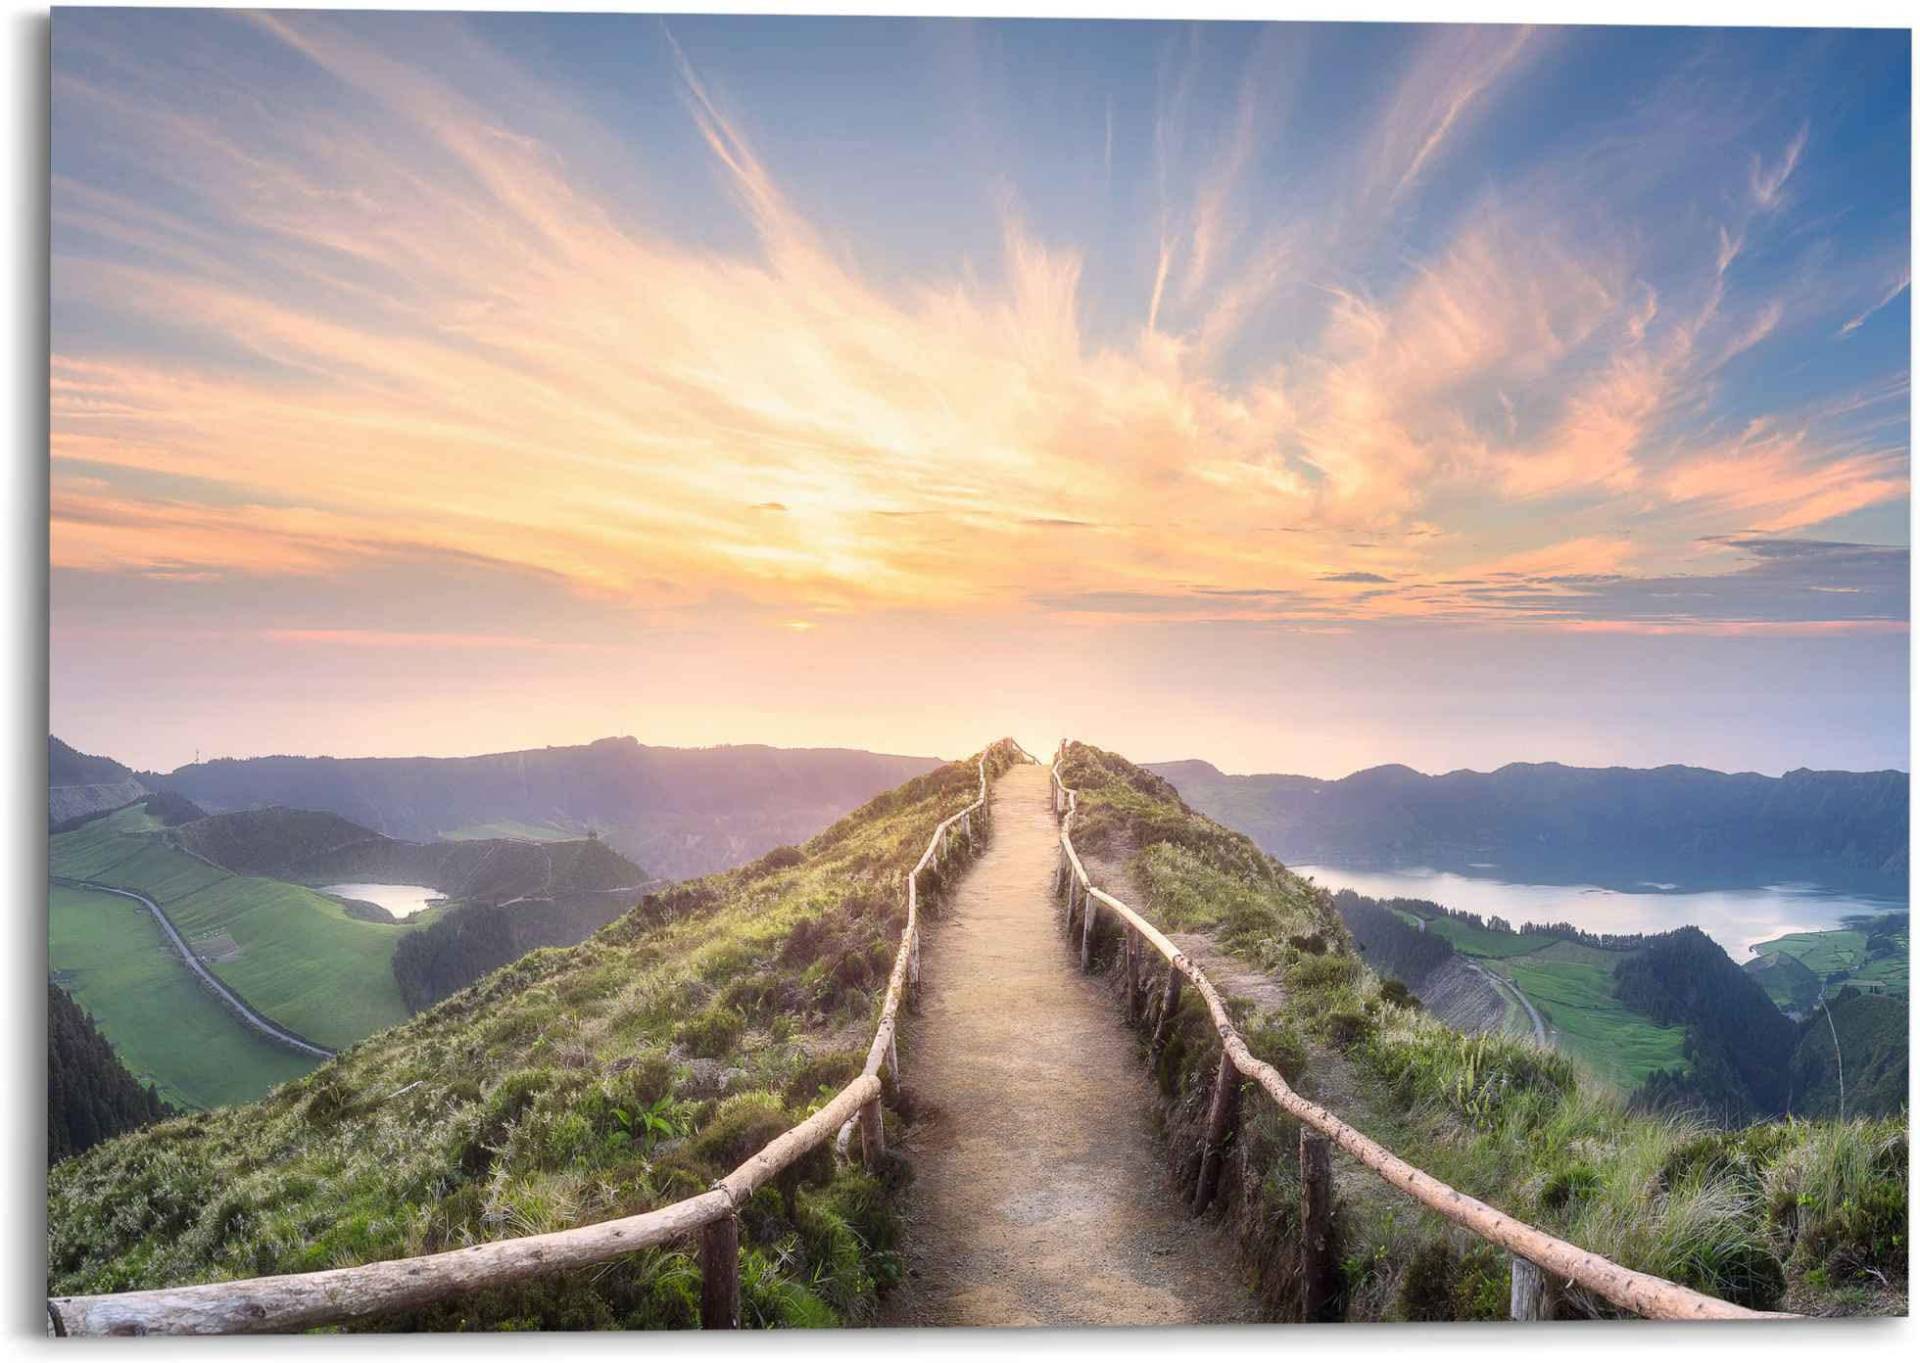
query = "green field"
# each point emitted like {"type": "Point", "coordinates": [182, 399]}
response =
{"type": "Point", "coordinates": [1485, 942]}
{"type": "Point", "coordinates": [1839, 957]}
{"type": "Point", "coordinates": [1576, 999]}
{"type": "Point", "coordinates": [514, 828]}
{"type": "Point", "coordinates": [1571, 984]}
{"type": "Point", "coordinates": [292, 953]}
{"type": "Point", "coordinates": [1821, 952]}
{"type": "Point", "coordinates": [166, 1026]}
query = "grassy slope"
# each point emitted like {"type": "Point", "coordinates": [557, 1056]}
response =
{"type": "Point", "coordinates": [1807, 1215]}
{"type": "Point", "coordinates": [1591, 1025]}
{"type": "Point", "coordinates": [575, 1085]}
{"type": "Point", "coordinates": [300, 958]}
{"type": "Point", "coordinates": [1843, 951]}
{"type": "Point", "coordinates": [167, 1028]}
{"type": "Point", "coordinates": [513, 828]}
{"type": "Point", "coordinates": [1572, 986]}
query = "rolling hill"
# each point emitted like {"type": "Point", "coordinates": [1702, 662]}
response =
{"type": "Point", "coordinates": [626, 1072]}
{"type": "Point", "coordinates": [166, 1028]}
{"type": "Point", "coordinates": [677, 811]}
{"type": "Point", "coordinates": [1615, 826]}
{"type": "Point", "coordinates": [90, 1095]}
{"type": "Point", "coordinates": [79, 784]}
{"type": "Point", "coordinates": [295, 955]}
{"type": "Point", "coordinates": [316, 848]}
{"type": "Point", "coordinates": [1870, 954]}
{"type": "Point", "coordinates": [573, 1085]}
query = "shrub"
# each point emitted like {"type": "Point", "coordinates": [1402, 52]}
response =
{"type": "Point", "coordinates": [713, 1033]}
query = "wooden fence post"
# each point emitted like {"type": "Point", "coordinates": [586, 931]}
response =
{"type": "Point", "coordinates": [893, 1057]}
{"type": "Point", "coordinates": [1133, 974]}
{"type": "Point", "coordinates": [1169, 1005]}
{"type": "Point", "coordinates": [873, 1134]}
{"type": "Point", "coordinates": [1086, 929]}
{"type": "Point", "coordinates": [1534, 1296]}
{"type": "Point", "coordinates": [1316, 1227]}
{"type": "Point", "coordinates": [720, 1274]}
{"type": "Point", "coordinates": [1220, 1116]}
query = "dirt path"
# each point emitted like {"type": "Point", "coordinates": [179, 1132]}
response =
{"type": "Point", "coordinates": [1040, 1195]}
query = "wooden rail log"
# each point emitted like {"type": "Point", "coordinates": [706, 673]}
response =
{"type": "Point", "coordinates": [331, 1296]}
{"type": "Point", "coordinates": [1644, 1294]}
{"type": "Point", "coordinates": [299, 1301]}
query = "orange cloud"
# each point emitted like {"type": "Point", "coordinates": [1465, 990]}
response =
{"type": "Point", "coordinates": [430, 332]}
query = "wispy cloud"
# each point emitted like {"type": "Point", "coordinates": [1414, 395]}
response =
{"type": "Point", "coordinates": [406, 322]}
{"type": "Point", "coordinates": [1899, 287]}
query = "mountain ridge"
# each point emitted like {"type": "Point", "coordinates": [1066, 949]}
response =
{"type": "Point", "coordinates": [679, 812]}
{"type": "Point", "coordinates": [1544, 818]}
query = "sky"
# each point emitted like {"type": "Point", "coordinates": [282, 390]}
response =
{"type": "Point", "coordinates": [1299, 397]}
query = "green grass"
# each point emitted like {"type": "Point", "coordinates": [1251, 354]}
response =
{"type": "Point", "coordinates": [292, 953]}
{"type": "Point", "coordinates": [1485, 942]}
{"type": "Point", "coordinates": [514, 828]}
{"type": "Point", "coordinates": [1576, 1000]}
{"type": "Point", "coordinates": [1571, 984]}
{"type": "Point", "coordinates": [1807, 1216]}
{"type": "Point", "coordinates": [1821, 952]}
{"type": "Point", "coordinates": [1792, 987]}
{"type": "Point", "coordinates": [1846, 953]}
{"type": "Point", "coordinates": [564, 1089]}
{"type": "Point", "coordinates": [167, 1028]}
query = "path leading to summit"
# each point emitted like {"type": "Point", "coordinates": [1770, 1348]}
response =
{"type": "Point", "coordinates": [1040, 1192]}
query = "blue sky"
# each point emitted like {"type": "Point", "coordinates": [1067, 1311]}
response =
{"type": "Point", "coordinates": [407, 363]}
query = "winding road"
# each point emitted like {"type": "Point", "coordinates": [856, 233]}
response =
{"type": "Point", "coordinates": [268, 1028]}
{"type": "Point", "coordinates": [1506, 986]}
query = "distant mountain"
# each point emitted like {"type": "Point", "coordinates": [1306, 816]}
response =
{"type": "Point", "coordinates": [313, 847]}
{"type": "Point", "coordinates": [680, 812]}
{"type": "Point", "coordinates": [79, 784]}
{"type": "Point", "coordinates": [1549, 823]}
{"type": "Point", "coordinates": [90, 1095]}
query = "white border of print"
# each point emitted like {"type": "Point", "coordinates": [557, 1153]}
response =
{"type": "Point", "coordinates": [22, 812]}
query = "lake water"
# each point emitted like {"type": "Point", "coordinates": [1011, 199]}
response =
{"type": "Point", "coordinates": [1734, 918]}
{"type": "Point", "coordinates": [402, 901]}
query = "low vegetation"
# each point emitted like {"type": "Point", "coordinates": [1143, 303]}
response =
{"type": "Point", "coordinates": [1785, 1215]}
{"type": "Point", "coordinates": [1869, 954]}
{"type": "Point", "coordinates": [295, 955]}
{"type": "Point", "coordinates": [574, 1085]}
{"type": "Point", "coordinates": [166, 1026]}
{"type": "Point", "coordinates": [90, 1095]}
{"type": "Point", "coordinates": [1568, 977]}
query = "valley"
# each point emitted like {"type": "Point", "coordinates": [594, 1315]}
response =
{"type": "Point", "coordinates": [333, 931]}
{"type": "Point", "coordinates": [166, 1028]}
{"type": "Point", "coordinates": [680, 812]}
{"type": "Point", "coordinates": [1630, 861]}
{"type": "Point", "coordinates": [1622, 829]}
{"type": "Point", "coordinates": [625, 1073]}
{"type": "Point", "coordinates": [296, 955]}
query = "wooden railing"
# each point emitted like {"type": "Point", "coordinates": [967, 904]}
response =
{"type": "Point", "coordinates": [1540, 1261]}
{"type": "Point", "coordinates": [301, 1301]}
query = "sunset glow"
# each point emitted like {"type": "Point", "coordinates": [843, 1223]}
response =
{"type": "Point", "coordinates": [429, 384]}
